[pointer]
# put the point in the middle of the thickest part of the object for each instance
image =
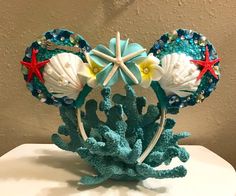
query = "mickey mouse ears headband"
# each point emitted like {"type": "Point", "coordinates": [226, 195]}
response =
{"type": "Point", "coordinates": [60, 65]}
{"type": "Point", "coordinates": [182, 68]}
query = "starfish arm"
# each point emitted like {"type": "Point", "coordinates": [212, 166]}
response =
{"type": "Point", "coordinates": [42, 63]}
{"type": "Point", "coordinates": [33, 57]}
{"type": "Point", "coordinates": [27, 64]}
{"type": "Point", "coordinates": [34, 51]}
{"type": "Point", "coordinates": [39, 75]}
{"type": "Point", "coordinates": [207, 54]}
{"type": "Point", "coordinates": [198, 62]}
{"type": "Point", "coordinates": [215, 61]}
{"type": "Point", "coordinates": [202, 73]}
{"type": "Point", "coordinates": [104, 56]}
{"type": "Point", "coordinates": [213, 73]}
{"type": "Point", "coordinates": [129, 73]}
{"type": "Point", "coordinates": [30, 76]}
{"type": "Point", "coordinates": [132, 55]}
{"type": "Point", "coordinates": [118, 52]}
{"type": "Point", "coordinates": [111, 73]}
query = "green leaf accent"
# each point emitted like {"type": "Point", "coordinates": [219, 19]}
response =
{"type": "Point", "coordinates": [82, 95]}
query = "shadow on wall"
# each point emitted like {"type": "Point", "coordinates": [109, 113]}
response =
{"type": "Point", "coordinates": [113, 8]}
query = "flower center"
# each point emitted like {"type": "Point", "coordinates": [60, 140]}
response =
{"type": "Point", "coordinates": [146, 70]}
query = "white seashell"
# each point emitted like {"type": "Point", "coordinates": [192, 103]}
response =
{"type": "Point", "coordinates": [180, 75]}
{"type": "Point", "coordinates": [60, 75]}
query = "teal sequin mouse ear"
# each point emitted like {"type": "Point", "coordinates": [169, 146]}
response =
{"type": "Point", "coordinates": [191, 67]}
{"type": "Point", "coordinates": [50, 67]}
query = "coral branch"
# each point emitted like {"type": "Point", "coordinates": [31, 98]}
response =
{"type": "Point", "coordinates": [148, 172]}
{"type": "Point", "coordinates": [115, 144]}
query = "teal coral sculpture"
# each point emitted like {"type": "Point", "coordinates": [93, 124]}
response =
{"type": "Point", "coordinates": [114, 146]}
{"type": "Point", "coordinates": [61, 69]}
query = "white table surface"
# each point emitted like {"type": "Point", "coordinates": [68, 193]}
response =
{"type": "Point", "coordinates": [45, 170]}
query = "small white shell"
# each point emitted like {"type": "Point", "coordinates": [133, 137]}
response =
{"type": "Point", "coordinates": [60, 75]}
{"type": "Point", "coordinates": [180, 75]}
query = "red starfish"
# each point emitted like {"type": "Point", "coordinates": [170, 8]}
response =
{"type": "Point", "coordinates": [207, 65]}
{"type": "Point", "coordinates": [34, 67]}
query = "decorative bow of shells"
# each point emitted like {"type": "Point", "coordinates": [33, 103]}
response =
{"type": "Point", "coordinates": [182, 68]}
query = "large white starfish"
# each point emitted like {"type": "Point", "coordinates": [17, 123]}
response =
{"type": "Point", "coordinates": [119, 62]}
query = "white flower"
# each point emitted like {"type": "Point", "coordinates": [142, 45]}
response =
{"type": "Point", "coordinates": [150, 70]}
{"type": "Point", "coordinates": [89, 71]}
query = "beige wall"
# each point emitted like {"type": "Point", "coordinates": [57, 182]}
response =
{"type": "Point", "coordinates": [25, 120]}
